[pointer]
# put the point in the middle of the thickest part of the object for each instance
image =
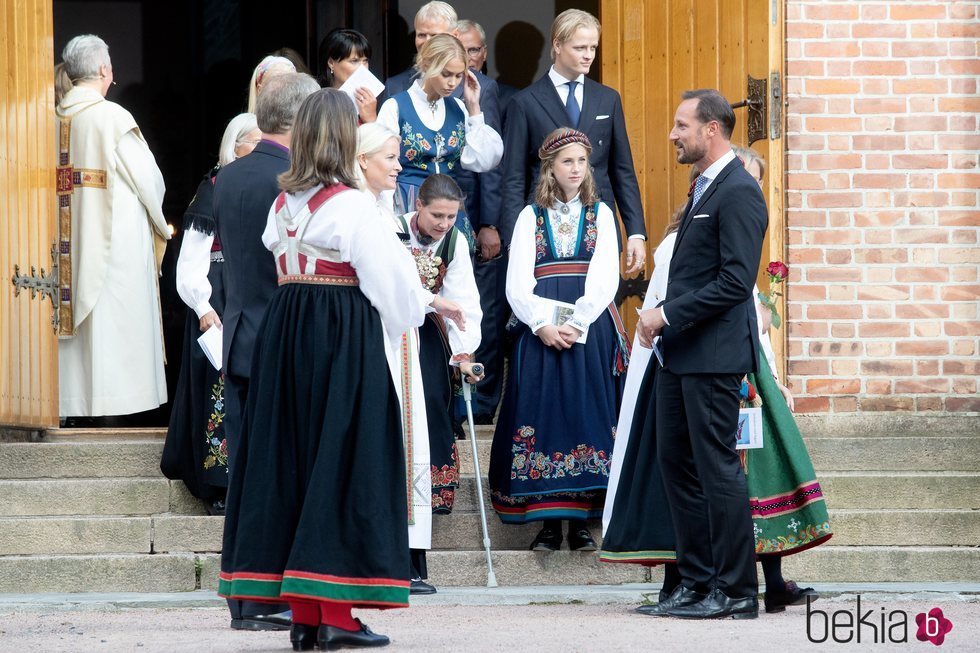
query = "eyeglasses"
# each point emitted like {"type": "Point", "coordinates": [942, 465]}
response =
{"type": "Point", "coordinates": [475, 51]}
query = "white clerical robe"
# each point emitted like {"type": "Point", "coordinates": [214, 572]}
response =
{"type": "Point", "coordinates": [114, 362]}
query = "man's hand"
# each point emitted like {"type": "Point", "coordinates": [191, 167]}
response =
{"type": "Point", "coordinates": [550, 336]}
{"type": "Point", "coordinates": [488, 240]}
{"type": "Point", "coordinates": [209, 320]}
{"type": "Point", "coordinates": [649, 326]}
{"type": "Point", "coordinates": [569, 334]}
{"type": "Point", "coordinates": [636, 255]}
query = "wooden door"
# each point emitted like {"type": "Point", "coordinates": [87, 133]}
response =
{"type": "Point", "coordinates": [28, 230]}
{"type": "Point", "coordinates": [651, 53]}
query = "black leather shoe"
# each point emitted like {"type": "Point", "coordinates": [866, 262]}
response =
{"type": "Point", "coordinates": [303, 637]}
{"type": "Point", "coordinates": [281, 621]}
{"type": "Point", "coordinates": [581, 540]}
{"type": "Point", "coordinates": [792, 595]}
{"type": "Point", "coordinates": [718, 605]}
{"type": "Point", "coordinates": [331, 638]}
{"type": "Point", "coordinates": [681, 596]}
{"type": "Point", "coordinates": [548, 539]}
{"type": "Point", "coordinates": [419, 586]}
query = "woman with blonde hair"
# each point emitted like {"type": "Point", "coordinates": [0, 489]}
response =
{"type": "Point", "coordinates": [269, 67]}
{"type": "Point", "coordinates": [196, 451]}
{"type": "Point", "coordinates": [439, 133]}
{"type": "Point", "coordinates": [554, 437]}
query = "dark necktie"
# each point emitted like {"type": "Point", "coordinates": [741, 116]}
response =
{"type": "Point", "coordinates": [572, 108]}
{"type": "Point", "coordinates": [699, 185]}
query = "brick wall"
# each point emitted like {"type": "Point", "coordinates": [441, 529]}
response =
{"type": "Point", "coordinates": [882, 211]}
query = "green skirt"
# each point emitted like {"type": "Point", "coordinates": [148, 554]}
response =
{"type": "Point", "coordinates": [789, 513]}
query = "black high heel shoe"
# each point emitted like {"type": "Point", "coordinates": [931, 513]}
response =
{"type": "Point", "coordinates": [303, 637]}
{"type": "Point", "coordinates": [331, 638]}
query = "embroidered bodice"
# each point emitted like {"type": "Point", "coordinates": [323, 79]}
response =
{"type": "Point", "coordinates": [296, 258]}
{"type": "Point", "coordinates": [426, 151]}
{"type": "Point", "coordinates": [565, 232]}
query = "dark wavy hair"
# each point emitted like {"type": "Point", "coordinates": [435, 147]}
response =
{"type": "Point", "coordinates": [339, 44]}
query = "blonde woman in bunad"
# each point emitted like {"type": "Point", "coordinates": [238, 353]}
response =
{"type": "Point", "coordinates": [268, 68]}
{"type": "Point", "coordinates": [789, 514]}
{"type": "Point", "coordinates": [196, 450]}
{"type": "Point", "coordinates": [439, 133]}
{"type": "Point", "coordinates": [445, 351]}
{"type": "Point", "coordinates": [554, 436]}
{"type": "Point", "coordinates": [324, 523]}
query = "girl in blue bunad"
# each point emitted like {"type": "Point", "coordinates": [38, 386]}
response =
{"type": "Point", "coordinates": [440, 133]}
{"type": "Point", "coordinates": [551, 449]}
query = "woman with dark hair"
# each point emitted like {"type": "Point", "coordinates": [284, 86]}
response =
{"type": "Point", "coordinates": [445, 351]}
{"type": "Point", "coordinates": [551, 449]}
{"type": "Point", "coordinates": [341, 52]}
{"type": "Point", "coordinates": [324, 523]}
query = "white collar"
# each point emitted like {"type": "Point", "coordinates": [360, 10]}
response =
{"type": "Point", "coordinates": [574, 206]}
{"type": "Point", "coordinates": [416, 91]}
{"type": "Point", "coordinates": [558, 80]}
{"type": "Point", "coordinates": [718, 165]}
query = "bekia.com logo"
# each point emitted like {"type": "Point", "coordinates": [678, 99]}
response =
{"type": "Point", "coordinates": [874, 626]}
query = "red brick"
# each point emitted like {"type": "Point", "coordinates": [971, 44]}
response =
{"type": "Point", "coordinates": [833, 274]}
{"type": "Point", "coordinates": [874, 48]}
{"type": "Point", "coordinates": [924, 67]}
{"type": "Point", "coordinates": [923, 218]}
{"type": "Point", "coordinates": [877, 142]}
{"type": "Point", "coordinates": [832, 87]}
{"type": "Point", "coordinates": [875, 86]}
{"type": "Point", "coordinates": [879, 67]}
{"type": "Point", "coordinates": [960, 293]}
{"type": "Point", "coordinates": [881, 255]}
{"type": "Point", "coordinates": [964, 236]}
{"type": "Point", "coordinates": [965, 274]}
{"type": "Point", "coordinates": [805, 292]}
{"type": "Point", "coordinates": [922, 181]}
{"type": "Point", "coordinates": [906, 11]}
{"type": "Point", "coordinates": [922, 348]}
{"type": "Point", "coordinates": [878, 218]}
{"type": "Point", "coordinates": [834, 200]}
{"type": "Point", "coordinates": [958, 30]}
{"type": "Point", "coordinates": [834, 237]}
{"type": "Point", "coordinates": [921, 199]}
{"type": "Point", "coordinates": [884, 330]}
{"type": "Point", "coordinates": [836, 348]}
{"type": "Point", "coordinates": [923, 404]}
{"type": "Point", "coordinates": [917, 311]}
{"type": "Point", "coordinates": [963, 161]}
{"type": "Point", "coordinates": [966, 328]}
{"type": "Point", "coordinates": [922, 386]}
{"type": "Point", "coordinates": [907, 235]}
{"type": "Point", "coordinates": [927, 367]}
{"type": "Point", "coordinates": [809, 368]}
{"type": "Point", "coordinates": [961, 123]}
{"type": "Point", "coordinates": [920, 161]}
{"type": "Point", "coordinates": [922, 105]}
{"type": "Point", "coordinates": [959, 180]}
{"type": "Point", "coordinates": [964, 386]}
{"type": "Point", "coordinates": [804, 30]}
{"type": "Point", "coordinates": [880, 105]}
{"type": "Point", "coordinates": [833, 312]}
{"type": "Point", "coordinates": [963, 404]}
{"type": "Point", "coordinates": [960, 142]}
{"type": "Point", "coordinates": [844, 404]}
{"type": "Point", "coordinates": [833, 386]}
{"type": "Point", "coordinates": [877, 237]}
{"type": "Point", "coordinates": [831, 49]}
{"type": "Point", "coordinates": [806, 405]}
{"type": "Point", "coordinates": [825, 12]}
{"type": "Point", "coordinates": [874, 12]}
{"type": "Point", "coordinates": [924, 293]}
{"type": "Point", "coordinates": [875, 293]}
{"type": "Point", "coordinates": [920, 86]}
{"type": "Point", "coordinates": [906, 49]}
{"type": "Point", "coordinates": [878, 387]}
{"type": "Point", "coordinates": [806, 68]}
{"type": "Point", "coordinates": [841, 292]}
{"type": "Point", "coordinates": [878, 30]}
{"type": "Point", "coordinates": [964, 347]}
{"type": "Point", "coordinates": [959, 104]}
{"type": "Point", "coordinates": [807, 218]}
{"type": "Point", "coordinates": [839, 105]}
{"type": "Point", "coordinates": [808, 330]}
{"type": "Point", "coordinates": [839, 256]}
{"type": "Point", "coordinates": [960, 66]}
{"type": "Point", "coordinates": [886, 403]}
{"type": "Point", "coordinates": [799, 142]}
{"type": "Point", "coordinates": [926, 329]}
{"type": "Point", "coordinates": [962, 10]}
{"type": "Point", "coordinates": [921, 275]}
{"type": "Point", "coordinates": [803, 105]}
{"type": "Point", "coordinates": [839, 180]}
{"type": "Point", "coordinates": [879, 181]}
{"type": "Point", "coordinates": [963, 368]}
{"type": "Point", "coordinates": [887, 368]}
{"type": "Point", "coordinates": [877, 162]}
{"type": "Point", "coordinates": [920, 123]}
{"type": "Point", "coordinates": [968, 255]}
{"type": "Point", "coordinates": [880, 349]}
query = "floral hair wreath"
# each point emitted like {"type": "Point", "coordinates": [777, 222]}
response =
{"type": "Point", "coordinates": [564, 138]}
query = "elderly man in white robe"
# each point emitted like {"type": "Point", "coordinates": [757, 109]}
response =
{"type": "Point", "coordinates": [111, 358]}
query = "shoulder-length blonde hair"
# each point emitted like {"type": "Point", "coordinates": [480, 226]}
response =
{"type": "Point", "coordinates": [436, 54]}
{"type": "Point", "coordinates": [323, 143]}
{"type": "Point", "coordinates": [548, 191]}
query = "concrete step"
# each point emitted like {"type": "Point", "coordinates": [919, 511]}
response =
{"type": "Point", "coordinates": [905, 527]}
{"type": "Point", "coordinates": [98, 573]}
{"type": "Point", "coordinates": [80, 459]}
{"type": "Point", "coordinates": [878, 564]}
{"type": "Point", "coordinates": [96, 496]}
{"type": "Point", "coordinates": [940, 453]}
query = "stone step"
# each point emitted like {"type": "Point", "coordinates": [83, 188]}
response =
{"type": "Point", "coordinates": [98, 573]}
{"type": "Point", "coordinates": [95, 496]}
{"type": "Point", "coordinates": [846, 490]}
{"type": "Point", "coordinates": [879, 564]}
{"type": "Point", "coordinates": [945, 453]}
{"type": "Point", "coordinates": [905, 527]}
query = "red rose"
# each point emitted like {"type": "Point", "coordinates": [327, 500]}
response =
{"type": "Point", "coordinates": [778, 270]}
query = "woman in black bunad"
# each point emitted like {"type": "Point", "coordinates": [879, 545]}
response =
{"type": "Point", "coordinates": [323, 524]}
{"type": "Point", "coordinates": [551, 449]}
{"type": "Point", "coordinates": [195, 450]}
{"type": "Point", "coordinates": [442, 257]}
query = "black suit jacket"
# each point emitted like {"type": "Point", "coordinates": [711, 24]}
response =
{"type": "Point", "coordinates": [243, 194]}
{"type": "Point", "coordinates": [535, 112]}
{"type": "Point", "coordinates": [480, 190]}
{"type": "Point", "coordinates": [709, 302]}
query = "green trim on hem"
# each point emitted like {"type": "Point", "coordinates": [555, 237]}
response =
{"type": "Point", "coordinates": [350, 593]}
{"type": "Point", "coordinates": [637, 556]}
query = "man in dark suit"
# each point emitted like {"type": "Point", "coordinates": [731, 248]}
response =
{"type": "Point", "coordinates": [709, 342]}
{"type": "Point", "coordinates": [565, 97]}
{"type": "Point", "coordinates": [243, 194]}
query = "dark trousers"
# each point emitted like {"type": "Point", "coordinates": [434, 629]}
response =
{"type": "Point", "coordinates": [236, 394]}
{"type": "Point", "coordinates": [697, 419]}
{"type": "Point", "coordinates": [491, 280]}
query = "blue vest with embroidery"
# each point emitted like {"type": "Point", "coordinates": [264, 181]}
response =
{"type": "Point", "coordinates": [426, 151]}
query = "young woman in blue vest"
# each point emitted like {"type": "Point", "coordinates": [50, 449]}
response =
{"type": "Point", "coordinates": [551, 449]}
{"type": "Point", "coordinates": [440, 133]}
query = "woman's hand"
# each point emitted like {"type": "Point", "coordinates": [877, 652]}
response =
{"type": "Point", "coordinates": [766, 314]}
{"type": "Point", "coordinates": [209, 320]}
{"type": "Point", "coordinates": [471, 93]}
{"type": "Point", "coordinates": [466, 369]}
{"type": "Point", "coordinates": [367, 105]}
{"type": "Point", "coordinates": [449, 310]}
{"type": "Point", "coordinates": [551, 337]}
{"type": "Point", "coordinates": [787, 395]}
{"type": "Point", "coordinates": [569, 334]}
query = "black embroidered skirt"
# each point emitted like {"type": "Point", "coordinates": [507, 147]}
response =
{"type": "Point", "coordinates": [438, 384]}
{"type": "Point", "coordinates": [316, 506]}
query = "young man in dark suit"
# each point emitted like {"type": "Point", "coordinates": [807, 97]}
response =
{"type": "Point", "coordinates": [243, 194]}
{"type": "Point", "coordinates": [710, 340]}
{"type": "Point", "coordinates": [565, 97]}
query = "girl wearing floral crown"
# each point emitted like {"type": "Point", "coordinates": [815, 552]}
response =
{"type": "Point", "coordinates": [554, 436]}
